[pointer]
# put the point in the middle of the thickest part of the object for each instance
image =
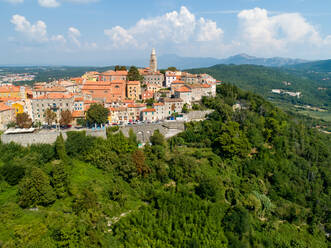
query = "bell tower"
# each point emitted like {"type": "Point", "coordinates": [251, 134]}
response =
{"type": "Point", "coordinates": [153, 61]}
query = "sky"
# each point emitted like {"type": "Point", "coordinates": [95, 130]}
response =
{"type": "Point", "coordinates": [108, 32]}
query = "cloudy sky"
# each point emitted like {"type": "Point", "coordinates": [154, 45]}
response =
{"type": "Point", "coordinates": [106, 32]}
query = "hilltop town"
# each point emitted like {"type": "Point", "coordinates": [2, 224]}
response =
{"type": "Point", "coordinates": [143, 95]}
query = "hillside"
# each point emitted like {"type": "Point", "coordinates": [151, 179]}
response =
{"type": "Point", "coordinates": [262, 80]}
{"type": "Point", "coordinates": [254, 177]}
{"type": "Point", "coordinates": [240, 59]}
{"type": "Point", "coordinates": [316, 66]}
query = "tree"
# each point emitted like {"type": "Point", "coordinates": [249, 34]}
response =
{"type": "Point", "coordinates": [172, 68]}
{"type": "Point", "coordinates": [157, 138]}
{"type": "Point", "coordinates": [61, 149]}
{"type": "Point", "coordinates": [66, 118]}
{"type": "Point", "coordinates": [35, 189]}
{"type": "Point", "coordinates": [120, 68]}
{"type": "Point", "coordinates": [50, 116]}
{"type": "Point", "coordinates": [97, 114]}
{"type": "Point", "coordinates": [185, 108]}
{"type": "Point", "coordinates": [134, 75]}
{"type": "Point", "coordinates": [138, 158]}
{"type": "Point", "coordinates": [60, 177]}
{"type": "Point", "coordinates": [23, 120]}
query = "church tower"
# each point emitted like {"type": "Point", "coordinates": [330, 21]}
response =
{"type": "Point", "coordinates": [153, 61]}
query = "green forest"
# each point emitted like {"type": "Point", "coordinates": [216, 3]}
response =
{"type": "Point", "coordinates": [251, 177]}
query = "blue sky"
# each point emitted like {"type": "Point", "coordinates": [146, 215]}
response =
{"type": "Point", "coordinates": [106, 32]}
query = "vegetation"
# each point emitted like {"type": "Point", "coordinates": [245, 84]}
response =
{"type": "Point", "coordinates": [253, 177]}
{"type": "Point", "coordinates": [66, 117]}
{"type": "Point", "coordinates": [134, 75]}
{"type": "Point", "coordinates": [50, 116]}
{"type": "Point", "coordinates": [23, 120]}
{"type": "Point", "coordinates": [97, 114]}
{"type": "Point", "coordinates": [314, 85]}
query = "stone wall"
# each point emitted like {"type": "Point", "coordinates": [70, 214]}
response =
{"type": "Point", "coordinates": [43, 137]}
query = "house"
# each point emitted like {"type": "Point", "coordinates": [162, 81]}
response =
{"type": "Point", "coordinates": [55, 101]}
{"type": "Point", "coordinates": [176, 85]}
{"type": "Point", "coordinates": [119, 115]}
{"type": "Point", "coordinates": [172, 105]}
{"type": "Point", "coordinates": [12, 91]}
{"type": "Point", "coordinates": [184, 93]}
{"type": "Point", "coordinates": [133, 90]}
{"type": "Point", "coordinates": [148, 115]}
{"type": "Point", "coordinates": [189, 78]}
{"type": "Point", "coordinates": [160, 110]}
{"type": "Point", "coordinates": [147, 95]}
{"type": "Point", "coordinates": [134, 111]}
{"type": "Point", "coordinates": [7, 115]}
{"type": "Point", "coordinates": [113, 76]}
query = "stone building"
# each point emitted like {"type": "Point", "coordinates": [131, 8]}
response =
{"type": "Point", "coordinates": [172, 105]}
{"type": "Point", "coordinates": [55, 101]}
{"type": "Point", "coordinates": [148, 115]}
{"type": "Point", "coordinates": [7, 115]}
{"type": "Point", "coordinates": [133, 90]}
{"type": "Point", "coordinates": [113, 75]}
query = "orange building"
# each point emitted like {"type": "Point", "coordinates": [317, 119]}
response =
{"type": "Point", "coordinates": [113, 75]}
{"type": "Point", "coordinates": [110, 91]}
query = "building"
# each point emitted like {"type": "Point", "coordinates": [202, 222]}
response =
{"type": "Point", "coordinates": [55, 101]}
{"type": "Point", "coordinates": [133, 90]}
{"type": "Point", "coordinates": [134, 111]}
{"type": "Point", "coordinates": [153, 61]}
{"type": "Point", "coordinates": [7, 115]}
{"type": "Point", "coordinates": [160, 110]}
{"type": "Point", "coordinates": [170, 76]}
{"type": "Point", "coordinates": [176, 85]}
{"type": "Point", "coordinates": [44, 90]}
{"type": "Point", "coordinates": [119, 115]}
{"type": "Point", "coordinates": [152, 77]}
{"type": "Point", "coordinates": [189, 78]}
{"type": "Point", "coordinates": [148, 115]}
{"type": "Point", "coordinates": [172, 105]}
{"type": "Point", "coordinates": [108, 90]}
{"type": "Point", "coordinates": [147, 95]}
{"type": "Point", "coordinates": [184, 93]}
{"type": "Point", "coordinates": [153, 87]}
{"type": "Point", "coordinates": [12, 91]}
{"type": "Point", "coordinates": [113, 76]}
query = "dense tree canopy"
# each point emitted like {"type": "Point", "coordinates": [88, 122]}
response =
{"type": "Point", "coordinates": [251, 176]}
{"type": "Point", "coordinates": [97, 114]}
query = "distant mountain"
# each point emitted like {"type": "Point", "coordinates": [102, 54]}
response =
{"type": "Point", "coordinates": [318, 66]}
{"type": "Point", "coordinates": [240, 59]}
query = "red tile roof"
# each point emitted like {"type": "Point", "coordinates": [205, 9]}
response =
{"type": "Point", "coordinates": [183, 89]}
{"type": "Point", "coordinates": [149, 110]}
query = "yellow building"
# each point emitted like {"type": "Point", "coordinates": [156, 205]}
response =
{"type": "Point", "coordinates": [19, 107]}
{"type": "Point", "coordinates": [12, 91]}
{"type": "Point", "coordinates": [133, 90]}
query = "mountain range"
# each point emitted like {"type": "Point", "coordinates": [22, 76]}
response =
{"type": "Point", "coordinates": [168, 60]}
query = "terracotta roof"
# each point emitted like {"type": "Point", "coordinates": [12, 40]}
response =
{"type": "Point", "coordinates": [117, 82]}
{"type": "Point", "coordinates": [128, 101]}
{"type": "Point", "coordinates": [178, 82]}
{"type": "Point", "coordinates": [183, 89]}
{"type": "Point", "coordinates": [133, 83]}
{"type": "Point", "coordinates": [79, 99]}
{"type": "Point", "coordinates": [114, 73]}
{"type": "Point", "coordinates": [149, 110]}
{"type": "Point", "coordinates": [54, 96]}
{"type": "Point", "coordinates": [120, 109]}
{"type": "Point", "coordinates": [205, 86]}
{"type": "Point", "coordinates": [6, 99]}
{"type": "Point", "coordinates": [4, 107]}
{"type": "Point", "coordinates": [77, 114]}
{"type": "Point", "coordinates": [137, 105]}
{"type": "Point", "coordinates": [5, 89]}
{"type": "Point", "coordinates": [166, 99]}
{"type": "Point", "coordinates": [51, 89]}
{"type": "Point", "coordinates": [158, 104]}
{"type": "Point", "coordinates": [95, 87]}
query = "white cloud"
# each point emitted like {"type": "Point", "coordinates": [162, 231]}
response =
{"type": "Point", "coordinates": [34, 32]}
{"type": "Point", "coordinates": [49, 3]}
{"type": "Point", "coordinates": [259, 30]}
{"type": "Point", "coordinates": [172, 28]}
{"type": "Point", "coordinates": [74, 34]}
{"type": "Point", "coordinates": [59, 38]}
{"type": "Point", "coordinates": [208, 30]}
